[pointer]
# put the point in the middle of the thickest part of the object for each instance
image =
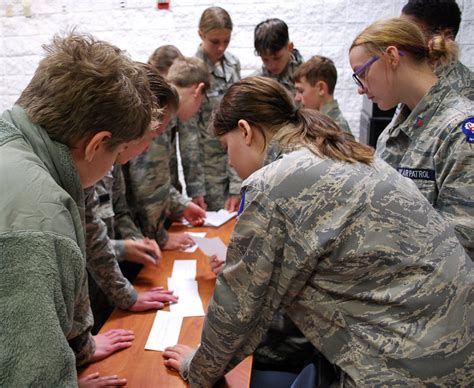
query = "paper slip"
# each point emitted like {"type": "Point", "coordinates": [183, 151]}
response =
{"type": "Point", "coordinates": [215, 219]}
{"type": "Point", "coordinates": [189, 302]}
{"type": "Point", "coordinates": [184, 269]}
{"type": "Point", "coordinates": [211, 246]}
{"type": "Point", "coordinates": [194, 247]}
{"type": "Point", "coordinates": [164, 332]}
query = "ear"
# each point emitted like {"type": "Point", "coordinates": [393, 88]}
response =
{"type": "Point", "coordinates": [198, 89]}
{"type": "Point", "coordinates": [291, 46]}
{"type": "Point", "coordinates": [201, 34]}
{"type": "Point", "coordinates": [95, 144]}
{"type": "Point", "coordinates": [322, 88]}
{"type": "Point", "coordinates": [246, 131]}
{"type": "Point", "coordinates": [393, 56]}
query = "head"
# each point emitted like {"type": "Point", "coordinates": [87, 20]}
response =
{"type": "Point", "coordinates": [165, 103]}
{"type": "Point", "coordinates": [215, 29]}
{"type": "Point", "coordinates": [90, 96]}
{"type": "Point", "coordinates": [434, 17]}
{"type": "Point", "coordinates": [191, 78]}
{"type": "Point", "coordinates": [163, 57]}
{"type": "Point", "coordinates": [315, 81]}
{"type": "Point", "coordinates": [384, 51]}
{"type": "Point", "coordinates": [256, 110]}
{"type": "Point", "coordinates": [272, 44]}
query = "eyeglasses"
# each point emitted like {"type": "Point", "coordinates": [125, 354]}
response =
{"type": "Point", "coordinates": [355, 75]}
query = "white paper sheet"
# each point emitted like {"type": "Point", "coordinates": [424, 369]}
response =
{"type": "Point", "coordinates": [184, 269]}
{"type": "Point", "coordinates": [215, 219]}
{"type": "Point", "coordinates": [164, 332]}
{"type": "Point", "coordinates": [211, 246]}
{"type": "Point", "coordinates": [194, 247]}
{"type": "Point", "coordinates": [189, 302]}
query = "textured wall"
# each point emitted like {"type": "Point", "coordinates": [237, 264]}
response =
{"type": "Point", "coordinates": [324, 27]}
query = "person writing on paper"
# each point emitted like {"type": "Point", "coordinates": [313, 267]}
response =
{"type": "Point", "coordinates": [349, 247]}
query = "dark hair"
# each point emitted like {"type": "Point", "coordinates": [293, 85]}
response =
{"type": "Point", "coordinates": [84, 86]}
{"type": "Point", "coordinates": [268, 106]}
{"type": "Point", "coordinates": [437, 15]}
{"type": "Point", "coordinates": [270, 36]}
{"type": "Point", "coordinates": [318, 68]}
{"type": "Point", "coordinates": [163, 57]}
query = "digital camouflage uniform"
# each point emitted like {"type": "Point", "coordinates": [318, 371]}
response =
{"type": "Point", "coordinates": [221, 180]}
{"type": "Point", "coordinates": [104, 271]}
{"type": "Point", "coordinates": [428, 145]}
{"type": "Point", "coordinates": [286, 78]}
{"type": "Point", "coordinates": [332, 110]}
{"type": "Point", "coordinates": [153, 195]}
{"type": "Point", "coordinates": [459, 77]}
{"type": "Point", "coordinates": [361, 263]}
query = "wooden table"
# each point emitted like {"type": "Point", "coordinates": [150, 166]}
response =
{"type": "Point", "coordinates": [145, 368]}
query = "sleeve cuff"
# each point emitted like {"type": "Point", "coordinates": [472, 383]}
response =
{"type": "Point", "coordinates": [184, 369]}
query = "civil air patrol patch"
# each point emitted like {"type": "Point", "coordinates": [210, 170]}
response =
{"type": "Point", "coordinates": [468, 129]}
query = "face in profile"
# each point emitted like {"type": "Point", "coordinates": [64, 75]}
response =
{"type": "Point", "coordinates": [307, 96]}
{"type": "Point", "coordinates": [215, 42]}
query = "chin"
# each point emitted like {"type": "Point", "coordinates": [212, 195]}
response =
{"type": "Point", "coordinates": [384, 106]}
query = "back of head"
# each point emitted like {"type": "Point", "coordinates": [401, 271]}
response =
{"type": "Point", "coordinates": [407, 37]}
{"type": "Point", "coordinates": [165, 95]}
{"type": "Point", "coordinates": [268, 106]}
{"type": "Point", "coordinates": [84, 86]}
{"type": "Point", "coordinates": [188, 71]}
{"type": "Point", "coordinates": [270, 36]}
{"type": "Point", "coordinates": [215, 18]}
{"type": "Point", "coordinates": [163, 57]}
{"type": "Point", "coordinates": [436, 16]}
{"type": "Point", "coordinates": [318, 68]}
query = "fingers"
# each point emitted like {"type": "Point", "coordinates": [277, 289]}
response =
{"type": "Point", "coordinates": [172, 363]}
{"type": "Point", "coordinates": [115, 332]}
{"type": "Point", "coordinates": [94, 380]}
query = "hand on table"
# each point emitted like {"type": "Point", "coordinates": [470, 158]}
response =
{"type": "Point", "coordinates": [194, 214]}
{"type": "Point", "coordinates": [156, 298]}
{"type": "Point", "coordinates": [110, 342]}
{"type": "Point", "coordinates": [175, 355]}
{"type": "Point", "coordinates": [178, 242]}
{"type": "Point", "coordinates": [216, 264]}
{"type": "Point", "coordinates": [144, 251]}
{"type": "Point", "coordinates": [94, 381]}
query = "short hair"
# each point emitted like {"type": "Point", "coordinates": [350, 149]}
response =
{"type": "Point", "coordinates": [163, 57]}
{"type": "Point", "coordinates": [271, 35]}
{"type": "Point", "coordinates": [215, 18]}
{"type": "Point", "coordinates": [187, 71]}
{"type": "Point", "coordinates": [318, 68]}
{"type": "Point", "coordinates": [84, 86]}
{"type": "Point", "coordinates": [436, 15]}
{"type": "Point", "coordinates": [165, 95]}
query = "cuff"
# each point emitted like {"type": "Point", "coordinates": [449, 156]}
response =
{"type": "Point", "coordinates": [184, 368]}
{"type": "Point", "coordinates": [119, 248]}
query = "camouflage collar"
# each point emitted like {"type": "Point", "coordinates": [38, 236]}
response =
{"type": "Point", "coordinates": [228, 63]}
{"type": "Point", "coordinates": [329, 106]}
{"type": "Point", "coordinates": [295, 61]}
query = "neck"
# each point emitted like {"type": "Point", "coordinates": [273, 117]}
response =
{"type": "Point", "coordinates": [418, 82]}
{"type": "Point", "coordinates": [327, 99]}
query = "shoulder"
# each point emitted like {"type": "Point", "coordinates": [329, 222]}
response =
{"type": "Point", "coordinates": [231, 59]}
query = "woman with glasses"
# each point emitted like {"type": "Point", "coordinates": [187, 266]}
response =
{"type": "Point", "coordinates": [361, 263]}
{"type": "Point", "coordinates": [431, 142]}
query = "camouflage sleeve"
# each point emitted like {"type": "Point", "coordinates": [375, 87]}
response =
{"type": "Point", "coordinates": [101, 261]}
{"type": "Point", "coordinates": [178, 202]}
{"type": "Point", "coordinates": [234, 181]}
{"type": "Point", "coordinates": [119, 249]}
{"type": "Point", "coordinates": [454, 165]}
{"type": "Point", "coordinates": [248, 291]}
{"type": "Point", "coordinates": [125, 227]}
{"type": "Point", "coordinates": [190, 152]}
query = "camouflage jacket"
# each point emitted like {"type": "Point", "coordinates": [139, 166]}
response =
{"type": "Point", "coordinates": [114, 211]}
{"type": "Point", "coordinates": [332, 110]}
{"type": "Point", "coordinates": [459, 77]}
{"type": "Point", "coordinates": [286, 78]}
{"type": "Point", "coordinates": [428, 145]}
{"type": "Point", "coordinates": [101, 260]}
{"type": "Point", "coordinates": [220, 179]}
{"type": "Point", "coordinates": [150, 185]}
{"type": "Point", "coordinates": [370, 273]}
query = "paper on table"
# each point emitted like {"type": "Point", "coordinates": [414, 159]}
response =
{"type": "Point", "coordinates": [164, 332]}
{"type": "Point", "coordinates": [211, 246]}
{"type": "Point", "coordinates": [215, 219]}
{"type": "Point", "coordinates": [189, 302]}
{"type": "Point", "coordinates": [184, 269]}
{"type": "Point", "coordinates": [194, 247]}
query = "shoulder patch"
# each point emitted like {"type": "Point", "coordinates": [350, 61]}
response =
{"type": "Point", "coordinates": [468, 129]}
{"type": "Point", "coordinates": [242, 202]}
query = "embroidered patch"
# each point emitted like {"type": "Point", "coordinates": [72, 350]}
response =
{"type": "Point", "coordinates": [242, 203]}
{"type": "Point", "coordinates": [419, 122]}
{"type": "Point", "coordinates": [417, 173]}
{"type": "Point", "coordinates": [468, 129]}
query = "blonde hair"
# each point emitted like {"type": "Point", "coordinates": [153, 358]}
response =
{"type": "Point", "coordinates": [215, 18]}
{"type": "Point", "coordinates": [267, 106]}
{"type": "Point", "coordinates": [163, 57]}
{"type": "Point", "coordinates": [407, 37]}
{"type": "Point", "coordinates": [188, 71]}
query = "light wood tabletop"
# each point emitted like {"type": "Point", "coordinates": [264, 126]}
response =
{"type": "Point", "coordinates": [145, 368]}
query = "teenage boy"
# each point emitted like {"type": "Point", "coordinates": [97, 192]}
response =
{"type": "Point", "coordinates": [279, 56]}
{"type": "Point", "coordinates": [148, 177]}
{"type": "Point", "coordinates": [315, 81]}
{"type": "Point", "coordinates": [85, 102]}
